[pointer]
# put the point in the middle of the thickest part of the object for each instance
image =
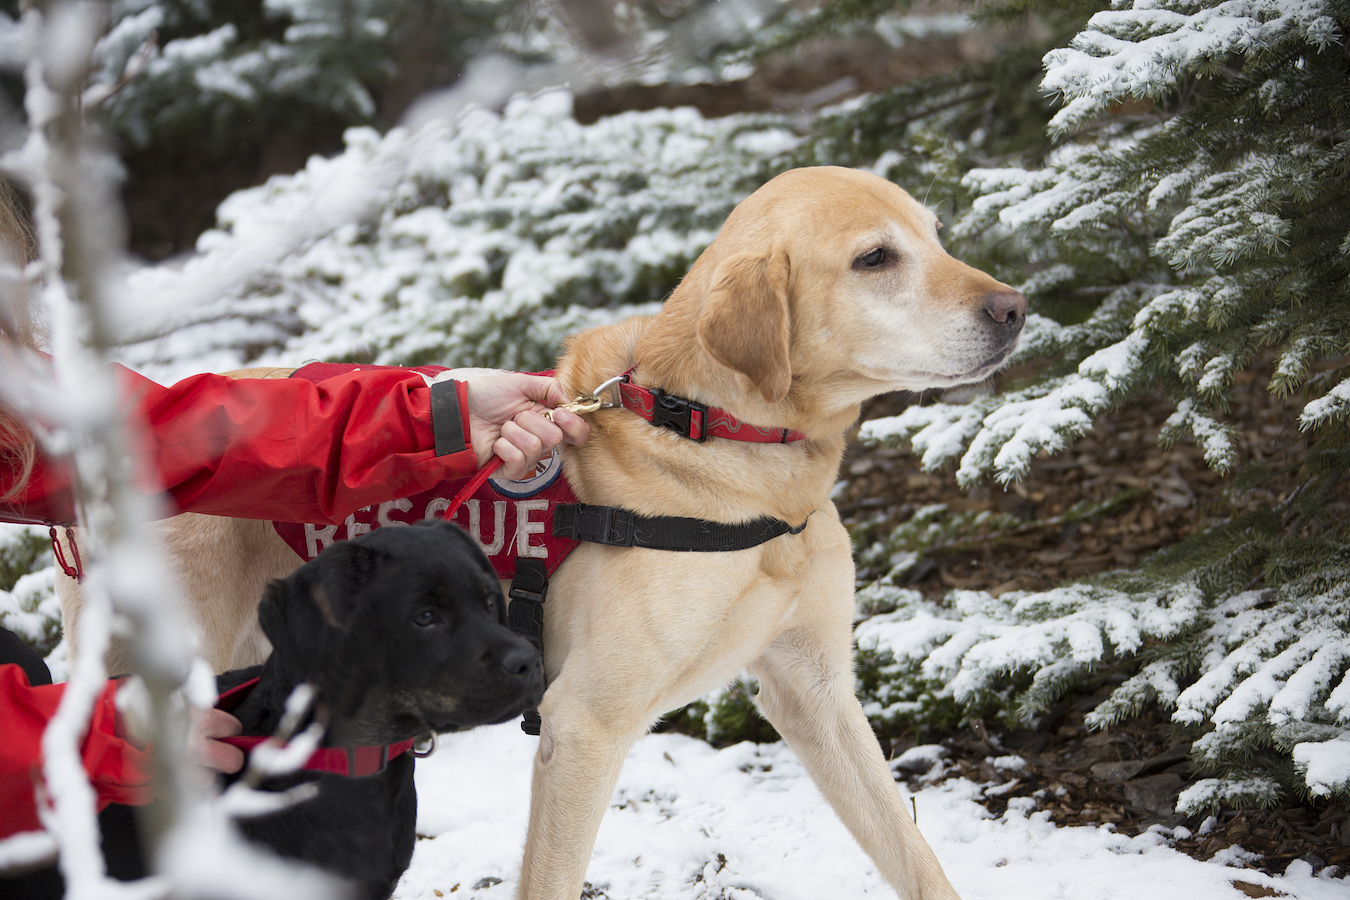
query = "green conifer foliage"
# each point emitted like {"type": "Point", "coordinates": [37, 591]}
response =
{"type": "Point", "coordinates": [230, 69]}
{"type": "Point", "coordinates": [1185, 214]}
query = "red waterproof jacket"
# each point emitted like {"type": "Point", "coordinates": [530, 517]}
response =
{"type": "Point", "coordinates": [284, 449]}
{"type": "Point", "coordinates": [118, 769]}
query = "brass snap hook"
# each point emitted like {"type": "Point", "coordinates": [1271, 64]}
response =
{"type": "Point", "coordinates": [589, 403]}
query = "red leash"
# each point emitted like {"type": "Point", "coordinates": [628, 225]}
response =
{"type": "Point", "coordinates": [474, 484]}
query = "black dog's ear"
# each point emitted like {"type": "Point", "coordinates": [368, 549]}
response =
{"type": "Point", "coordinates": [293, 622]}
{"type": "Point", "coordinates": [306, 614]}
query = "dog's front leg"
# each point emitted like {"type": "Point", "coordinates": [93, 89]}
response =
{"type": "Point", "coordinates": [807, 692]}
{"type": "Point", "coordinates": [582, 747]}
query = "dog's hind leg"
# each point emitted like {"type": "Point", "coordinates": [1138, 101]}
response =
{"type": "Point", "coordinates": [807, 693]}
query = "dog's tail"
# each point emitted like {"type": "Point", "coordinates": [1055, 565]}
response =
{"type": "Point", "coordinates": [20, 331]}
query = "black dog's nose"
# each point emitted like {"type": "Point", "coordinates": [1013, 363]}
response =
{"type": "Point", "coordinates": [519, 662]}
{"type": "Point", "coordinates": [1006, 307]}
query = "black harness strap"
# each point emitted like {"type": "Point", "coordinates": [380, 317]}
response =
{"type": "Point", "coordinates": [529, 590]}
{"type": "Point", "coordinates": [621, 528]}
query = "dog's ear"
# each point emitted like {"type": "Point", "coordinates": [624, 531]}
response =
{"type": "Point", "coordinates": [744, 323]}
{"type": "Point", "coordinates": [306, 613]}
{"type": "Point", "coordinates": [295, 625]}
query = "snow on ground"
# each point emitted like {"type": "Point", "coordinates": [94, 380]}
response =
{"type": "Point", "coordinates": [694, 823]}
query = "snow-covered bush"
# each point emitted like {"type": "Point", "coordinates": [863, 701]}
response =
{"type": "Point", "coordinates": [28, 604]}
{"type": "Point", "coordinates": [1198, 200]}
{"type": "Point", "coordinates": [1182, 214]}
{"type": "Point", "coordinates": [1247, 672]}
{"type": "Point", "coordinates": [222, 71]}
{"type": "Point", "coordinates": [485, 244]}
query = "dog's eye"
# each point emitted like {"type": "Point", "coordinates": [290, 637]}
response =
{"type": "Point", "coordinates": [871, 259]}
{"type": "Point", "coordinates": [426, 617]}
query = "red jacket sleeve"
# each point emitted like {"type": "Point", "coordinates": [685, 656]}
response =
{"type": "Point", "coordinates": [283, 449]}
{"type": "Point", "coordinates": [118, 770]}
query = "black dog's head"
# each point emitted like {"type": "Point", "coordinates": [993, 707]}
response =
{"type": "Point", "coordinates": [402, 630]}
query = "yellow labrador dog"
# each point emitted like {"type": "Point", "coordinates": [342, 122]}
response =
{"type": "Point", "coordinates": [825, 287]}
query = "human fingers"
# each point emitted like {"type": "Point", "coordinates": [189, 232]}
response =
{"type": "Point", "coordinates": [543, 389]}
{"type": "Point", "coordinates": [497, 398]}
{"type": "Point", "coordinates": [575, 428]}
{"type": "Point", "coordinates": [549, 432]}
{"type": "Point", "coordinates": [518, 450]}
{"type": "Point", "coordinates": [204, 748]}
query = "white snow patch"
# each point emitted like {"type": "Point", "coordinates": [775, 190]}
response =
{"type": "Point", "coordinates": [680, 805]}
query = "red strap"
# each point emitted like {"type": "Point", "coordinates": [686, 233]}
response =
{"type": "Point", "coordinates": [705, 421]}
{"type": "Point", "coordinates": [350, 761]}
{"type": "Point", "coordinates": [353, 762]}
{"type": "Point", "coordinates": [474, 484]}
{"type": "Point", "coordinates": [75, 571]}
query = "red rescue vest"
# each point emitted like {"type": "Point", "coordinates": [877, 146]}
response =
{"type": "Point", "coordinates": [508, 519]}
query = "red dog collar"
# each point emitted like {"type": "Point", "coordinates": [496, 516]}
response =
{"type": "Point", "coordinates": [694, 420]}
{"type": "Point", "coordinates": [350, 761]}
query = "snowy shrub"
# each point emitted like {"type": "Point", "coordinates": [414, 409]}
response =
{"type": "Point", "coordinates": [724, 716]}
{"type": "Point", "coordinates": [1248, 672]}
{"type": "Point", "coordinates": [1179, 214]}
{"type": "Point", "coordinates": [28, 604]}
{"type": "Point", "coordinates": [1209, 229]}
{"type": "Point", "coordinates": [220, 70]}
{"type": "Point", "coordinates": [482, 245]}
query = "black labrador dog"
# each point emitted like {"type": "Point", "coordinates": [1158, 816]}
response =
{"type": "Point", "coordinates": [402, 633]}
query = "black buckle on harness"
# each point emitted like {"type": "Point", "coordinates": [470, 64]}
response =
{"type": "Point", "coordinates": [526, 612]}
{"type": "Point", "coordinates": [602, 525]}
{"type": "Point", "coordinates": [676, 413]}
{"type": "Point", "coordinates": [529, 590]}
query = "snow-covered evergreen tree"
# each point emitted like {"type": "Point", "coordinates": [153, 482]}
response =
{"type": "Point", "coordinates": [1185, 214]}
{"type": "Point", "coordinates": [481, 245]}
{"type": "Point", "coordinates": [222, 71]}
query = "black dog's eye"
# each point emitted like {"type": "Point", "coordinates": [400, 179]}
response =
{"type": "Point", "coordinates": [426, 617]}
{"type": "Point", "coordinates": [871, 259]}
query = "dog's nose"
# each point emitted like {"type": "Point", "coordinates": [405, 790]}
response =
{"type": "Point", "coordinates": [1006, 308]}
{"type": "Point", "coordinates": [519, 662]}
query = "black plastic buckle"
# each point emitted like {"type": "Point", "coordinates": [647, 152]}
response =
{"type": "Point", "coordinates": [676, 413]}
{"type": "Point", "coordinates": [526, 614]}
{"type": "Point", "coordinates": [604, 525]}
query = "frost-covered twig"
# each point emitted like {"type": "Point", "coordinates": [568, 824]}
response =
{"type": "Point", "coordinates": [78, 224]}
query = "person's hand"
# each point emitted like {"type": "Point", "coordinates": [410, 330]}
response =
{"type": "Point", "coordinates": [204, 751]}
{"type": "Point", "coordinates": [506, 419]}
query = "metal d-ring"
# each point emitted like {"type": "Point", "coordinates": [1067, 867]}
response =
{"type": "Point", "coordinates": [589, 403]}
{"type": "Point", "coordinates": [605, 386]}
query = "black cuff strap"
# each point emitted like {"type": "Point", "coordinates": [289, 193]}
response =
{"type": "Point", "coordinates": [621, 528]}
{"type": "Point", "coordinates": [446, 424]}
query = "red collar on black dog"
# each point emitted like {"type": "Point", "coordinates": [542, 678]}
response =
{"type": "Point", "coordinates": [694, 420]}
{"type": "Point", "coordinates": [350, 761]}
